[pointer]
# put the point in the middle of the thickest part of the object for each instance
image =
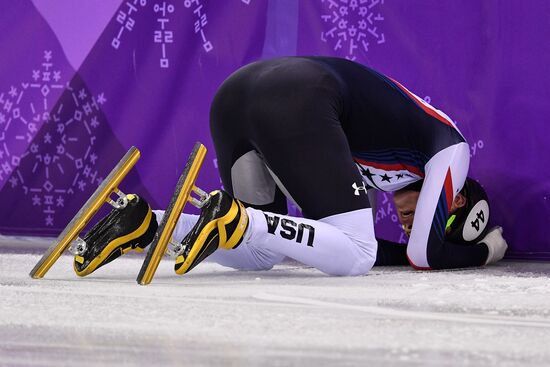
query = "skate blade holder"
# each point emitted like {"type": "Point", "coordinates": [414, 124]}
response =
{"type": "Point", "coordinates": [121, 202]}
{"type": "Point", "coordinates": [69, 238]}
{"type": "Point", "coordinates": [174, 249]}
{"type": "Point", "coordinates": [78, 247]}
{"type": "Point", "coordinates": [182, 194]}
{"type": "Point", "coordinates": [203, 199]}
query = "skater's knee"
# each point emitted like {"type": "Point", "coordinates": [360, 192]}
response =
{"type": "Point", "coordinates": [366, 258]}
{"type": "Point", "coordinates": [359, 266]}
{"type": "Point", "coordinates": [362, 266]}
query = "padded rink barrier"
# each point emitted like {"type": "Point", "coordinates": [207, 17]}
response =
{"type": "Point", "coordinates": [124, 80]}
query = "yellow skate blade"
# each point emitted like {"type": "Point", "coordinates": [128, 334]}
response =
{"type": "Point", "coordinates": [180, 197]}
{"type": "Point", "coordinates": [86, 213]}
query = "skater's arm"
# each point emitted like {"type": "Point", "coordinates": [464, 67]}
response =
{"type": "Point", "coordinates": [427, 247]}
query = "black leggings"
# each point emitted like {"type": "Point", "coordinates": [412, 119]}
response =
{"type": "Point", "coordinates": [280, 131]}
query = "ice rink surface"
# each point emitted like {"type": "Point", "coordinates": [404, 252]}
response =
{"type": "Point", "coordinates": [289, 316]}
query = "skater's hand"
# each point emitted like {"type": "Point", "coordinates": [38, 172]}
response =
{"type": "Point", "coordinates": [496, 243]}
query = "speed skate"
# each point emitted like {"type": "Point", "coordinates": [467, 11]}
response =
{"type": "Point", "coordinates": [182, 194]}
{"type": "Point", "coordinates": [70, 235]}
{"type": "Point", "coordinates": [88, 257]}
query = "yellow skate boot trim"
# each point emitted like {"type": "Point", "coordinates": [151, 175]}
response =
{"type": "Point", "coordinates": [205, 238]}
{"type": "Point", "coordinates": [114, 244]}
{"type": "Point", "coordinates": [238, 233]}
{"type": "Point", "coordinates": [196, 251]}
{"type": "Point", "coordinates": [86, 213]}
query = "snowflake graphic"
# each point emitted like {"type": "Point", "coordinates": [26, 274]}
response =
{"type": "Point", "coordinates": [24, 109]}
{"type": "Point", "coordinates": [66, 152]}
{"type": "Point", "coordinates": [48, 142]}
{"type": "Point", "coordinates": [351, 26]}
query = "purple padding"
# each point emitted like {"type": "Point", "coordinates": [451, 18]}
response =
{"type": "Point", "coordinates": [152, 72]}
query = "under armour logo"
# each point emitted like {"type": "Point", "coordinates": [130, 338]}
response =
{"type": "Point", "coordinates": [359, 188]}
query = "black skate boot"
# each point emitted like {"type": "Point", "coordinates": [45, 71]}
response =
{"type": "Point", "coordinates": [222, 223]}
{"type": "Point", "coordinates": [131, 227]}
